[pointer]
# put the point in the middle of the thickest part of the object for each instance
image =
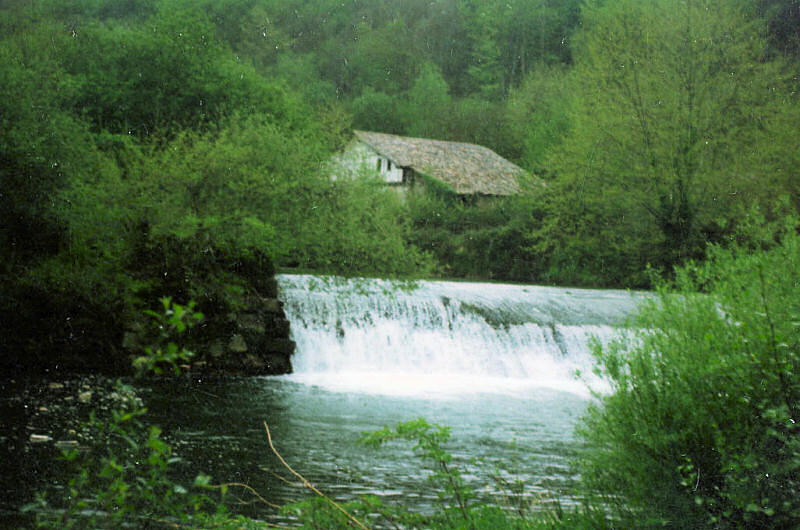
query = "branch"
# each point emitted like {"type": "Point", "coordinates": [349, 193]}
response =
{"type": "Point", "coordinates": [248, 488]}
{"type": "Point", "coordinates": [282, 479]}
{"type": "Point", "coordinates": [462, 506]}
{"type": "Point", "coordinates": [310, 486]}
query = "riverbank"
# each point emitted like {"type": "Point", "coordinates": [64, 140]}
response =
{"type": "Point", "coordinates": [243, 331]}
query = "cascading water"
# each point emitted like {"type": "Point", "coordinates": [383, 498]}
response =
{"type": "Point", "coordinates": [386, 337]}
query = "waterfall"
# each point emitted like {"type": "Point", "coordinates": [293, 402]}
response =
{"type": "Point", "coordinates": [446, 337]}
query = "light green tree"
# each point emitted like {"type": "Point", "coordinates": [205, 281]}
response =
{"type": "Point", "coordinates": [537, 114]}
{"type": "Point", "coordinates": [428, 103]}
{"type": "Point", "coordinates": [675, 107]}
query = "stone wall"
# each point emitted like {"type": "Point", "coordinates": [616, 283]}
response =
{"type": "Point", "coordinates": [258, 343]}
{"type": "Point", "coordinates": [250, 338]}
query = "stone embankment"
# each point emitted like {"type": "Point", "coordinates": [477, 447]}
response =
{"type": "Point", "coordinates": [259, 342]}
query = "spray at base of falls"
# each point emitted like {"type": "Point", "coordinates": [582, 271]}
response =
{"type": "Point", "coordinates": [447, 338]}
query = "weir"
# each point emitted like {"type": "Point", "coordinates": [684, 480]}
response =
{"type": "Point", "coordinates": [393, 337]}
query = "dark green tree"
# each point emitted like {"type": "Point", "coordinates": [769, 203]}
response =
{"type": "Point", "coordinates": [428, 104]}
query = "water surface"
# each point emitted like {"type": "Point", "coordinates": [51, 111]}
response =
{"type": "Point", "coordinates": [497, 363]}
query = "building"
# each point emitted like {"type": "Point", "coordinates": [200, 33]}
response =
{"type": "Point", "coordinates": [462, 168]}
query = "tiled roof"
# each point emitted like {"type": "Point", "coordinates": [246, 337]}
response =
{"type": "Point", "coordinates": [466, 168]}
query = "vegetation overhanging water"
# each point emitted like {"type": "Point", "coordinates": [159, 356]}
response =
{"type": "Point", "coordinates": [179, 149]}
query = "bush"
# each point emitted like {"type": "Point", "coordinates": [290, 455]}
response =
{"type": "Point", "coordinates": [483, 239]}
{"type": "Point", "coordinates": [701, 426]}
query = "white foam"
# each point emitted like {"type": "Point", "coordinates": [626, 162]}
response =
{"type": "Point", "coordinates": [445, 338]}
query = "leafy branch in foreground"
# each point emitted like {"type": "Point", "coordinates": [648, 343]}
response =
{"type": "Point", "coordinates": [121, 475]}
{"type": "Point", "coordinates": [429, 439]}
{"type": "Point", "coordinates": [174, 320]}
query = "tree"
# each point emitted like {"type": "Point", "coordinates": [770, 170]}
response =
{"type": "Point", "coordinates": [530, 34]}
{"type": "Point", "coordinates": [382, 57]}
{"type": "Point", "coordinates": [783, 21]}
{"type": "Point", "coordinates": [673, 109]}
{"type": "Point", "coordinates": [378, 111]}
{"type": "Point", "coordinates": [41, 147]}
{"type": "Point", "coordinates": [428, 103]}
{"type": "Point", "coordinates": [537, 114]}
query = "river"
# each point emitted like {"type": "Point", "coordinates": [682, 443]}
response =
{"type": "Point", "coordinates": [508, 367]}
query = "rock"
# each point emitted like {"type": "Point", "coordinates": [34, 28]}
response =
{"type": "Point", "coordinates": [278, 327]}
{"type": "Point", "coordinates": [272, 305]}
{"type": "Point", "coordinates": [269, 287]}
{"type": "Point", "coordinates": [251, 323]}
{"type": "Point", "coordinates": [257, 341]}
{"type": "Point", "coordinates": [278, 364]}
{"type": "Point", "coordinates": [237, 344]}
{"type": "Point", "coordinates": [40, 438]}
{"type": "Point", "coordinates": [216, 349]}
{"type": "Point", "coordinates": [130, 340]}
{"type": "Point", "coordinates": [254, 363]}
{"type": "Point", "coordinates": [85, 397]}
{"type": "Point", "coordinates": [280, 346]}
{"type": "Point", "coordinates": [55, 386]}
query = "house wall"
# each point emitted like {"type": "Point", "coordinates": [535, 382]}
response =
{"type": "Point", "coordinates": [359, 157]}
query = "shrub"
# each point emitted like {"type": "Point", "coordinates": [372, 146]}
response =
{"type": "Point", "coordinates": [121, 476]}
{"type": "Point", "coordinates": [700, 428]}
{"type": "Point", "coordinates": [486, 239]}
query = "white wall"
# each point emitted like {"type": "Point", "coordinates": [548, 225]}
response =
{"type": "Point", "coordinates": [359, 157]}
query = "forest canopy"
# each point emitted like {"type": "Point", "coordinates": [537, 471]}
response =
{"type": "Point", "coordinates": [164, 147]}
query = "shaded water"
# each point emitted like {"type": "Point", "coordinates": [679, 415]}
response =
{"type": "Point", "coordinates": [495, 362]}
{"type": "Point", "coordinates": [317, 431]}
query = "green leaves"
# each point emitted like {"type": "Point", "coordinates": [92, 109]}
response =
{"type": "Point", "coordinates": [429, 439]}
{"type": "Point", "coordinates": [700, 426]}
{"type": "Point", "coordinates": [671, 116]}
{"type": "Point", "coordinates": [174, 320]}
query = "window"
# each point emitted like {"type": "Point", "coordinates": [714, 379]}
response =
{"type": "Point", "coordinates": [379, 164]}
{"type": "Point", "coordinates": [388, 165]}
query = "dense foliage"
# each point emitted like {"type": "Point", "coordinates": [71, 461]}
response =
{"type": "Point", "coordinates": [677, 129]}
{"type": "Point", "coordinates": [168, 147]}
{"type": "Point", "coordinates": [141, 157]}
{"type": "Point", "coordinates": [700, 429]}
